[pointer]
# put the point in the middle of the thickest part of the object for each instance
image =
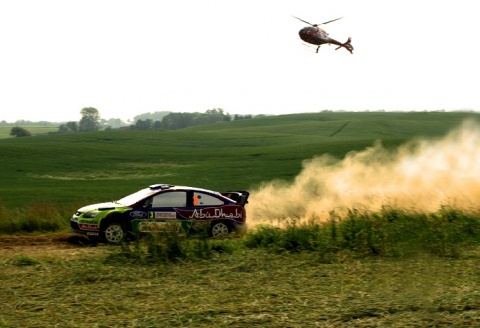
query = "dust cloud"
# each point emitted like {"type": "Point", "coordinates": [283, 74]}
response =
{"type": "Point", "coordinates": [422, 175]}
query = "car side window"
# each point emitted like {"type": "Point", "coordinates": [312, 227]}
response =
{"type": "Point", "coordinates": [170, 199]}
{"type": "Point", "coordinates": [201, 199]}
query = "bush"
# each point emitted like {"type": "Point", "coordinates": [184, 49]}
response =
{"type": "Point", "coordinates": [19, 132]}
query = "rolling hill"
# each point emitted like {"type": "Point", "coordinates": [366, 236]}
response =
{"type": "Point", "coordinates": [83, 167]}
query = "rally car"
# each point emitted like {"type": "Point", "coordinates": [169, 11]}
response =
{"type": "Point", "coordinates": [163, 207]}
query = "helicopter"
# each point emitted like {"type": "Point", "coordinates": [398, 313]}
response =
{"type": "Point", "coordinates": [315, 35]}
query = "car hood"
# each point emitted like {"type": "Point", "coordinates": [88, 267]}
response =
{"type": "Point", "coordinates": [100, 207]}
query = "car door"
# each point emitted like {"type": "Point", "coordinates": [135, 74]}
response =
{"type": "Point", "coordinates": [163, 209]}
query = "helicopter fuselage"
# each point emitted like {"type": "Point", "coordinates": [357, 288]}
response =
{"type": "Point", "coordinates": [315, 35]}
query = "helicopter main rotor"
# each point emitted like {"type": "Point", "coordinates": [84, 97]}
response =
{"type": "Point", "coordinates": [315, 25]}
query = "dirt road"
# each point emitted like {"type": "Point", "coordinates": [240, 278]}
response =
{"type": "Point", "coordinates": [65, 245]}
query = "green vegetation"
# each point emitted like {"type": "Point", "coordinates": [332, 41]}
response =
{"type": "Point", "coordinates": [392, 233]}
{"type": "Point", "coordinates": [392, 268]}
{"type": "Point", "coordinates": [175, 121]}
{"type": "Point", "coordinates": [389, 233]}
{"type": "Point", "coordinates": [33, 129]}
{"type": "Point", "coordinates": [105, 165]}
{"type": "Point", "coordinates": [59, 173]}
{"type": "Point", "coordinates": [18, 131]}
{"type": "Point", "coordinates": [89, 122]}
{"type": "Point", "coordinates": [36, 217]}
{"type": "Point", "coordinates": [270, 278]}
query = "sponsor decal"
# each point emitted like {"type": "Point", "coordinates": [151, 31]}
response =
{"type": "Point", "coordinates": [88, 226]}
{"type": "Point", "coordinates": [92, 233]}
{"type": "Point", "coordinates": [138, 214]}
{"type": "Point", "coordinates": [225, 212]}
{"type": "Point", "coordinates": [162, 215]}
{"type": "Point", "coordinates": [156, 226]}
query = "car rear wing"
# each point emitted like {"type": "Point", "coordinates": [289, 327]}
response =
{"type": "Point", "coordinates": [239, 196]}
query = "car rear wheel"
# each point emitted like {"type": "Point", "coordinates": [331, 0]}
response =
{"type": "Point", "coordinates": [114, 233]}
{"type": "Point", "coordinates": [219, 229]}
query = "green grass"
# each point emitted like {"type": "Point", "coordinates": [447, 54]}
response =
{"type": "Point", "coordinates": [67, 171]}
{"type": "Point", "coordinates": [241, 154]}
{"type": "Point", "coordinates": [392, 268]}
{"type": "Point", "coordinates": [389, 233]}
{"type": "Point", "coordinates": [76, 169]}
{"type": "Point", "coordinates": [387, 269]}
{"type": "Point", "coordinates": [34, 130]}
{"type": "Point", "coordinates": [254, 288]}
{"type": "Point", "coordinates": [35, 217]}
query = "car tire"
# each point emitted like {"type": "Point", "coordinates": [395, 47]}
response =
{"type": "Point", "coordinates": [114, 233]}
{"type": "Point", "coordinates": [219, 229]}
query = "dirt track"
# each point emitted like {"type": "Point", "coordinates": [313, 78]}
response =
{"type": "Point", "coordinates": [65, 245]}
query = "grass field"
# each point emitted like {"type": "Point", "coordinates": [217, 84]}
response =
{"type": "Point", "coordinates": [400, 271]}
{"type": "Point", "coordinates": [34, 130]}
{"type": "Point", "coordinates": [394, 268]}
{"type": "Point", "coordinates": [105, 165]}
{"type": "Point", "coordinates": [245, 288]}
{"type": "Point", "coordinates": [50, 176]}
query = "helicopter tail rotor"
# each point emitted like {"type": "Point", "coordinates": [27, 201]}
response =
{"type": "Point", "coordinates": [346, 45]}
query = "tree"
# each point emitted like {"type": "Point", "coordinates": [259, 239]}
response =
{"type": "Point", "coordinates": [217, 115]}
{"type": "Point", "coordinates": [241, 117]}
{"type": "Point", "coordinates": [90, 120]}
{"type": "Point", "coordinates": [112, 122]}
{"type": "Point", "coordinates": [174, 121]}
{"type": "Point", "coordinates": [156, 116]}
{"type": "Point", "coordinates": [19, 132]}
{"type": "Point", "coordinates": [69, 127]}
{"type": "Point", "coordinates": [157, 125]}
{"type": "Point", "coordinates": [72, 126]}
{"type": "Point", "coordinates": [62, 128]}
{"type": "Point", "coordinates": [143, 124]}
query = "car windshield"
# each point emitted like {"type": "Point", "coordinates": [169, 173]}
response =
{"type": "Point", "coordinates": [135, 197]}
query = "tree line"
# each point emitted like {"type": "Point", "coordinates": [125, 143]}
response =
{"type": "Point", "coordinates": [175, 121]}
{"type": "Point", "coordinates": [91, 121]}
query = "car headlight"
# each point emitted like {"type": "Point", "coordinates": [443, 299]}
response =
{"type": "Point", "coordinates": [91, 214]}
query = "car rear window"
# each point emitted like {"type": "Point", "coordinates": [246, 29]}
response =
{"type": "Point", "coordinates": [207, 200]}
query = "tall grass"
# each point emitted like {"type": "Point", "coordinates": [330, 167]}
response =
{"type": "Point", "coordinates": [34, 217]}
{"type": "Point", "coordinates": [388, 233]}
{"type": "Point", "coordinates": [173, 247]}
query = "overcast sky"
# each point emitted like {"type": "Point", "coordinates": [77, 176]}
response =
{"type": "Point", "coordinates": [130, 57]}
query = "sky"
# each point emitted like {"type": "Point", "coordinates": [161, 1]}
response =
{"type": "Point", "coordinates": [126, 57]}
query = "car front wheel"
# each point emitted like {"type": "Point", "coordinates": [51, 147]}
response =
{"type": "Point", "coordinates": [114, 233]}
{"type": "Point", "coordinates": [219, 229]}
